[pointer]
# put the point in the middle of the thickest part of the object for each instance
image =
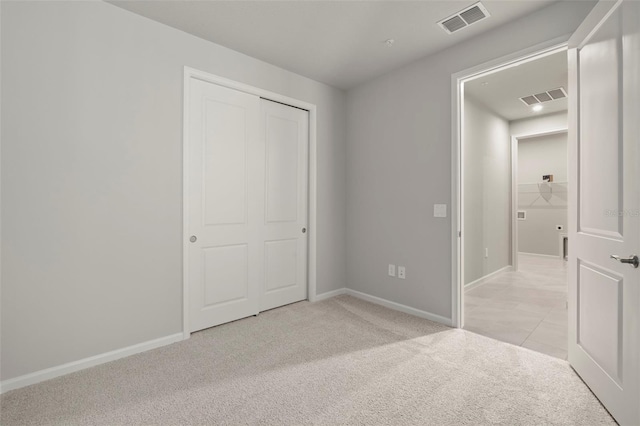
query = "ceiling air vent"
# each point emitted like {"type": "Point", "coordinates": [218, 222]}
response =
{"type": "Point", "coordinates": [530, 100]}
{"type": "Point", "coordinates": [557, 93]}
{"type": "Point", "coordinates": [543, 97]}
{"type": "Point", "coordinates": [549, 95]}
{"type": "Point", "coordinates": [464, 18]}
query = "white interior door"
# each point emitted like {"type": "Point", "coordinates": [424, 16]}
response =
{"type": "Point", "coordinates": [225, 204]}
{"type": "Point", "coordinates": [247, 180]}
{"type": "Point", "coordinates": [604, 294]}
{"type": "Point", "coordinates": [286, 142]}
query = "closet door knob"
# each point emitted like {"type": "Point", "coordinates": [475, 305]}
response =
{"type": "Point", "coordinates": [193, 239]}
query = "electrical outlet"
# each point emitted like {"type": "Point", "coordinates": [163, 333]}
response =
{"type": "Point", "coordinates": [401, 273]}
{"type": "Point", "coordinates": [392, 270]}
{"type": "Point", "coordinates": [486, 252]}
{"type": "Point", "coordinates": [559, 227]}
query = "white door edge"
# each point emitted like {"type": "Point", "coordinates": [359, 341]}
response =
{"type": "Point", "coordinates": [457, 93]}
{"type": "Point", "coordinates": [192, 73]}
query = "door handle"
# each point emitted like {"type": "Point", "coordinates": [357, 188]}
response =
{"type": "Point", "coordinates": [631, 260]}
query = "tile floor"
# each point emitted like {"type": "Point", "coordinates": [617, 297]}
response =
{"type": "Point", "coordinates": [526, 308]}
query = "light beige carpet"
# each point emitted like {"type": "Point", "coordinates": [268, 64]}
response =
{"type": "Point", "coordinates": [341, 361]}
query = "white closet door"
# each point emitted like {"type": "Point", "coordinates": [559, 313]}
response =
{"type": "Point", "coordinates": [225, 204]}
{"type": "Point", "coordinates": [286, 140]}
{"type": "Point", "coordinates": [247, 171]}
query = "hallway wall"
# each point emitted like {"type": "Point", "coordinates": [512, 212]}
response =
{"type": "Point", "coordinates": [486, 154]}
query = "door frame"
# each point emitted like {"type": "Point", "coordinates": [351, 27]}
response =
{"type": "Point", "coordinates": [515, 139]}
{"type": "Point", "coordinates": [190, 73]}
{"type": "Point", "coordinates": [457, 173]}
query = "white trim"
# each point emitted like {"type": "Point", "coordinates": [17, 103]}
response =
{"type": "Point", "coordinates": [548, 256]}
{"type": "Point", "coordinates": [482, 280]}
{"type": "Point", "coordinates": [514, 203]}
{"type": "Point", "coordinates": [330, 294]}
{"type": "Point", "coordinates": [186, 333]}
{"type": "Point", "coordinates": [398, 307]}
{"type": "Point", "coordinates": [312, 225]}
{"type": "Point", "coordinates": [457, 295]}
{"type": "Point", "coordinates": [457, 114]}
{"type": "Point", "coordinates": [70, 367]}
{"type": "Point", "coordinates": [592, 23]}
{"type": "Point", "coordinates": [313, 204]}
{"type": "Point", "coordinates": [523, 136]}
{"type": "Point", "coordinates": [384, 302]}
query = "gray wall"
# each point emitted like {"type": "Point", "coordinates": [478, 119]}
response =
{"type": "Point", "coordinates": [92, 177]}
{"type": "Point", "coordinates": [399, 162]}
{"type": "Point", "coordinates": [487, 191]}
{"type": "Point", "coordinates": [545, 204]}
{"type": "Point", "coordinates": [538, 234]}
{"type": "Point", "coordinates": [538, 124]}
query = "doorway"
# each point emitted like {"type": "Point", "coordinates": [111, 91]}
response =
{"type": "Point", "coordinates": [540, 193]}
{"type": "Point", "coordinates": [603, 200]}
{"type": "Point", "coordinates": [513, 277]}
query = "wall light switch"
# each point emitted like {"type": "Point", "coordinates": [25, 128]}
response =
{"type": "Point", "coordinates": [439, 210]}
{"type": "Point", "coordinates": [392, 270]}
{"type": "Point", "coordinates": [401, 273]}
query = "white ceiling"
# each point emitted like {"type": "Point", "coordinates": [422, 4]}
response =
{"type": "Point", "coordinates": [501, 90]}
{"type": "Point", "coordinates": [341, 43]}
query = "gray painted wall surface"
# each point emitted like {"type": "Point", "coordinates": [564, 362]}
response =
{"type": "Point", "coordinates": [538, 234]}
{"type": "Point", "coordinates": [538, 124]}
{"type": "Point", "coordinates": [92, 177]}
{"type": "Point", "coordinates": [487, 191]}
{"type": "Point", "coordinates": [545, 204]}
{"type": "Point", "coordinates": [399, 163]}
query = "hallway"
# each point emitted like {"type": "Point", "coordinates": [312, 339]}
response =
{"type": "Point", "coordinates": [525, 308]}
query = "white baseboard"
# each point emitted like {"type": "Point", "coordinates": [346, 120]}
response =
{"type": "Point", "coordinates": [482, 280]}
{"type": "Point", "coordinates": [61, 370]}
{"type": "Point", "coordinates": [71, 367]}
{"type": "Point", "coordinates": [328, 294]}
{"type": "Point", "coordinates": [399, 307]}
{"type": "Point", "coordinates": [549, 256]}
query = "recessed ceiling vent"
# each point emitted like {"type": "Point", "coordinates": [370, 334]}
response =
{"type": "Point", "coordinates": [464, 18]}
{"type": "Point", "coordinates": [549, 95]}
